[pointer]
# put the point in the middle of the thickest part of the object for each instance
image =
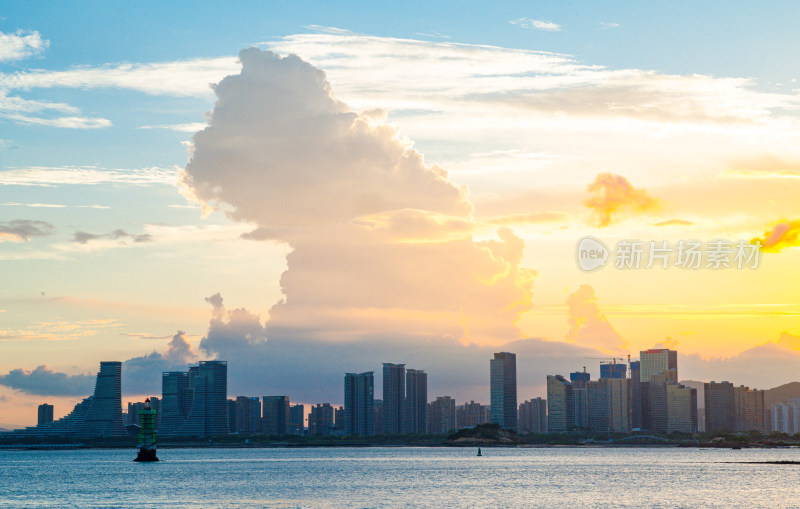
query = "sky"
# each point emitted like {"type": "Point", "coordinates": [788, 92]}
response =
{"type": "Point", "coordinates": [306, 189]}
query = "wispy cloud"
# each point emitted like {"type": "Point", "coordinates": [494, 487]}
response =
{"type": "Point", "coordinates": [536, 24]}
{"type": "Point", "coordinates": [184, 128]}
{"type": "Point", "coordinates": [22, 230]}
{"type": "Point", "coordinates": [608, 25]}
{"type": "Point", "coordinates": [53, 205]}
{"type": "Point", "coordinates": [674, 222]}
{"type": "Point", "coordinates": [48, 176]}
{"type": "Point", "coordinates": [120, 235]}
{"type": "Point", "coordinates": [21, 44]}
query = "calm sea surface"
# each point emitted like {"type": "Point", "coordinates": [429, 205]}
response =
{"type": "Point", "coordinates": [402, 477]}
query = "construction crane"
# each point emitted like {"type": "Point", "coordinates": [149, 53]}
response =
{"type": "Point", "coordinates": [612, 361]}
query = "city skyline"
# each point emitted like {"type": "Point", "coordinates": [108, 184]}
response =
{"type": "Point", "coordinates": [352, 189]}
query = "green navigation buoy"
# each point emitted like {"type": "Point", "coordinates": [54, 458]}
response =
{"type": "Point", "coordinates": [147, 433]}
{"type": "Point", "coordinates": [479, 452]}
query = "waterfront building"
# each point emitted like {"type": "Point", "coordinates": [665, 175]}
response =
{"type": "Point", "coordinates": [749, 409]}
{"type": "Point", "coordinates": [503, 389]}
{"type": "Point", "coordinates": [232, 415]}
{"type": "Point", "coordinates": [560, 404]}
{"type": "Point", "coordinates": [320, 420]}
{"type": "Point", "coordinates": [608, 405]}
{"type": "Point", "coordinates": [247, 415]}
{"type": "Point", "coordinates": [416, 403]}
{"type": "Point", "coordinates": [636, 396]}
{"type": "Point", "coordinates": [681, 409]}
{"type": "Point", "coordinates": [442, 415]}
{"type": "Point", "coordinates": [176, 401]}
{"type": "Point", "coordinates": [99, 415]}
{"type": "Point", "coordinates": [394, 396]}
{"type": "Point", "coordinates": [44, 414]}
{"type": "Point", "coordinates": [359, 404]}
{"type": "Point", "coordinates": [580, 397]}
{"type": "Point", "coordinates": [720, 407]}
{"type": "Point", "coordinates": [533, 416]}
{"type": "Point", "coordinates": [471, 414]}
{"type": "Point", "coordinates": [208, 415]}
{"type": "Point", "coordinates": [297, 418]}
{"type": "Point", "coordinates": [275, 417]}
{"type": "Point", "coordinates": [657, 368]}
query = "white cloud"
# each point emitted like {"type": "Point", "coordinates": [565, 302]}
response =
{"type": "Point", "coordinates": [21, 44]}
{"type": "Point", "coordinates": [47, 176]}
{"type": "Point", "coordinates": [192, 127]}
{"type": "Point", "coordinates": [536, 24]}
{"type": "Point", "coordinates": [608, 25]}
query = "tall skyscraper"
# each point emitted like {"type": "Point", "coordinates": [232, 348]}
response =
{"type": "Point", "coordinates": [44, 414]}
{"type": "Point", "coordinates": [105, 416]}
{"type": "Point", "coordinates": [720, 407]}
{"type": "Point", "coordinates": [613, 370]}
{"type": "Point", "coordinates": [560, 404]}
{"type": "Point", "coordinates": [394, 395]}
{"type": "Point", "coordinates": [416, 403]}
{"type": "Point", "coordinates": [176, 400]}
{"type": "Point", "coordinates": [636, 396]}
{"type": "Point", "coordinates": [503, 385]}
{"type": "Point", "coordinates": [442, 415]}
{"type": "Point", "coordinates": [208, 415]}
{"type": "Point", "coordinates": [608, 405]}
{"type": "Point", "coordinates": [275, 418]}
{"type": "Point", "coordinates": [533, 416]}
{"type": "Point", "coordinates": [471, 414]}
{"type": "Point", "coordinates": [749, 409]}
{"type": "Point", "coordinates": [580, 397]}
{"type": "Point", "coordinates": [681, 409]}
{"type": "Point", "coordinates": [320, 419]}
{"type": "Point", "coordinates": [247, 415]}
{"type": "Point", "coordinates": [657, 369]}
{"type": "Point", "coordinates": [99, 415]}
{"type": "Point", "coordinates": [359, 403]}
{"type": "Point", "coordinates": [297, 419]}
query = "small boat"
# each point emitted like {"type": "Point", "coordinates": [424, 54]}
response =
{"type": "Point", "coordinates": [479, 452]}
{"type": "Point", "coordinates": [147, 433]}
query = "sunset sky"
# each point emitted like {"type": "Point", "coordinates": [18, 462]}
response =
{"type": "Point", "coordinates": [304, 189]}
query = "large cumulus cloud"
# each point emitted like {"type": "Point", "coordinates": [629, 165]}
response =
{"type": "Point", "coordinates": [382, 242]}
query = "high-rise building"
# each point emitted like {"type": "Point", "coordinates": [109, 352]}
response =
{"type": "Point", "coordinates": [636, 396]}
{"type": "Point", "coordinates": [394, 396]}
{"type": "Point", "coordinates": [338, 418]}
{"type": "Point", "coordinates": [503, 385]}
{"type": "Point", "coordinates": [297, 418]}
{"type": "Point", "coordinates": [208, 415]}
{"type": "Point", "coordinates": [377, 405]}
{"type": "Point", "coordinates": [560, 404]}
{"type": "Point", "coordinates": [608, 405]}
{"type": "Point", "coordinates": [359, 403]}
{"type": "Point", "coordinates": [176, 401]}
{"type": "Point", "coordinates": [275, 418]}
{"type": "Point", "coordinates": [681, 409]}
{"type": "Point", "coordinates": [442, 415]}
{"type": "Point", "coordinates": [416, 403]}
{"type": "Point", "coordinates": [749, 409]}
{"type": "Point", "coordinates": [720, 407]}
{"type": "Point", "coordinates": [44, 414]}
{"type": "Point", "coordinates": [320, 420]}
{"type": "Point", "coordinates": [580, 397]}
{"type": "Point", "coordinates": [660, 361]}
{"type": "Point", "coordinates": [471, 414]}
{"type": "Point", "coordinates": [613, 370]}
{"type": "Point", "coordinates": [232, 415]}
{"type": "Point", "coordinates": [99, 415]}
{"type": "Point", "coordinates": [533, 416]}
{"type": "Point", "coordinates": [247, 415]}
{"type": "Point", "coordinates": [657, 369]}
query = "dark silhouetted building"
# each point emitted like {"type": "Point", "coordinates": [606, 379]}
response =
{"type": "Point", "coordinates": [297, 418]}
{"type": "Point", "coordinates": [44, 414]}
{"type": "Point", "coordinates": [416, 403]}
{"type": "Point", "coordinates": [394, 396]}
{"type": "Point", "coordinates": [608, 405]}
{"type": "Point", "coordinates": [560, 404]}
{"type": "Point", "coordinates": [247, 415]}
{"type": "Point", "coordinates": [681, 409]}
{"type": "Point", "coordinates": [442, 415]}
{"type": "Point", "coordinates": [176, 401]}
{"type": "Point", "coordinates": [657, 369]}
{"type": "Point", "coordinates": [613, 370]}
{"type": "Point", "coordinates": [580, 397]}
{"type": "Point", "coordinates": [720, 407]}
{"type": "Point", "coordinates": [320, 420]}
{"type": "Point", "coordinates": [208, 415]}
{"type": "Point", "coordinates": [471, 414]}
{"type": "Point", "coordinates": [749, 409]}
{"type": "Point", "coordinates": [359, 403]}
{"type": "Point", "coordinates": [275, 419]}
{"type": "Point", "coordinates": [533, 416]}
{"type": "Point", "coordinates": [503, 388]}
